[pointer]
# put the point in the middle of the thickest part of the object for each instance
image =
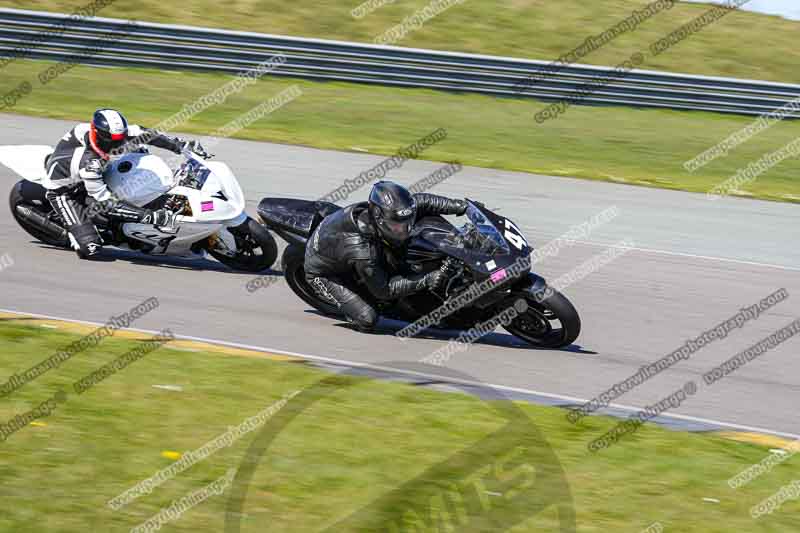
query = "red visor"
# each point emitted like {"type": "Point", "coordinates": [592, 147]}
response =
{"type": "Point", "coordinates": [117, 136]}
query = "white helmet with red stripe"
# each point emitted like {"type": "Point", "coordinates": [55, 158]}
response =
{"type": "Point", "coordinates": [109, 131]}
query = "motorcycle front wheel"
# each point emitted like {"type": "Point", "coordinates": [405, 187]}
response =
{"type": "Point", "coordinates": [256, 249]}
{"type": "Point", "coordinates": [550, 320]}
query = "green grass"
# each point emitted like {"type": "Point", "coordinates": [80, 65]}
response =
{"type": "Point", "coordinates": [537, 29]}
{"type": "Point", "coordinates": [640, 147]}
{"type": "Point", "coordinates": [360, 440]}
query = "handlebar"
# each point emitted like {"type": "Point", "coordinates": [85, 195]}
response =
{"type": "Point", "coordinates": [192, 155]}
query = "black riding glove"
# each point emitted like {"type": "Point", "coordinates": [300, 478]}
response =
{"type": "Point", "coordinates": [434, 280]}
{"type": "Point", "coordinates": [160, 217]}
{"type": "Point", "coordinates": [196, 148]}
{"type": "Point", "coordinates": [438, 278]}
{"type": "Point", "coordinates": [121, 210]}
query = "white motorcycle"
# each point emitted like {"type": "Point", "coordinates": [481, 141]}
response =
{"type": "Point", "coordinates": [205, 196]}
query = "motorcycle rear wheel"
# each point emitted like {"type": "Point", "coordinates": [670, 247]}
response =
{"type": "Point", "coordinates": [292, 263]}
{"type": "Point", "coordinates": [17, 197]}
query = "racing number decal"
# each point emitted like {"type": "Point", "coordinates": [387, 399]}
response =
{"type": "Point", "coordinates": [514, 235]}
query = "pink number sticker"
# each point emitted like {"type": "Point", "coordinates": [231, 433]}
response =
{"type": "Point", "coordinates": [500, 275]}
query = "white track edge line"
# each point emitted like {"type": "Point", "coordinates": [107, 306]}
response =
{"type": "Point", "coordinates": [435, 377]}
{"type": "Point", "coordinates": [693, 256]}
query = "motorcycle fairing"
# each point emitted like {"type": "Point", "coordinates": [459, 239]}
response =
{"type": "Point", "coordinates": [480, 244]}
{"type": "Point", "coordinates": [178, 240]}
{"type": "Point", "coordinates": [217, 196]}
{"type": "Point", "coordinates": [26, 161]}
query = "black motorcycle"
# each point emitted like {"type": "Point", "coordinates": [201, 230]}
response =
{"type": "Point", "coordinates": [488, 253]}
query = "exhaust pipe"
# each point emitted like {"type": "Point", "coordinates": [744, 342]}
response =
{"type": "Point", "coordinates": [42, 223]}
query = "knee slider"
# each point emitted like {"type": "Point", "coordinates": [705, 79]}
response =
{"type": "Point", "coordinates": [366, 317]}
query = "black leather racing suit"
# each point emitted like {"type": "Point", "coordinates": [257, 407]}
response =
{"type": "Point", "coordinates": [346, 248]}
{"type": "Point", "coordinates": [75, 170]}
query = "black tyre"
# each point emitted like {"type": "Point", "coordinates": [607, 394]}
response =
{"type": "Point", "coordinates": [18, 197]}
{"type": "Point", "coordinates": [549, 322]}
{"type": "Point", "coordinates": [292, 263]}
{"type": "Point", "coordinates": [257, 249]}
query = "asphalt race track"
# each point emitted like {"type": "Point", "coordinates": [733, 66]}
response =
{"type": "Point", "coordinates": [694, 265]}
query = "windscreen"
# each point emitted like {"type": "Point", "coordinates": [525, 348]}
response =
{"type": "Point", "coordinates": [192, 173]}
{"type": "Point", "coordinates": [477, 241]}
{"type": "Point", "coordinates": [483, 235]}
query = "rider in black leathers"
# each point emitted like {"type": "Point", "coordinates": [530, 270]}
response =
{"type": "Point", "coordinates": [351, 244]}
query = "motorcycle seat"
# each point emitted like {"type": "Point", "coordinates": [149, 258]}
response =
{"type": "Point", "coordinates": [299, 217]}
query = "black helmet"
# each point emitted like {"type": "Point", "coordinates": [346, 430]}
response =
{"type": "Point", "coordinates": [108, 131]}
{"type": "Point", "coordinates": [393, 210]}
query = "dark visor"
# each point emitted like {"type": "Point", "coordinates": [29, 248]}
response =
{"type": "Point", "coordinates": [399, 229]}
